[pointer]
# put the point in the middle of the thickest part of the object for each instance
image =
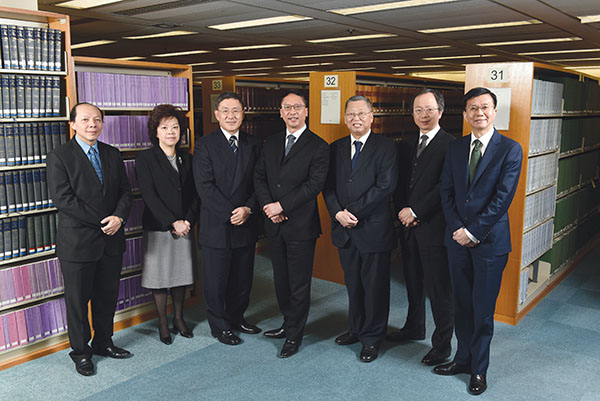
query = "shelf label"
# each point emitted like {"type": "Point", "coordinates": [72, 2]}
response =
{"type": "Point", "coordinates": [331, 106]}
{"type": "Point", "coordinates": [331, 81]}
{"type": "Point", "coordinates": [497, 74]}
{"type": "Point", "coordinates": [217, 84]}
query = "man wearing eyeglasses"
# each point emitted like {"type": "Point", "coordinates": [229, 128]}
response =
{"type": "Point", "coordinates": [224, 163]}
{"type": "Point", "coordinates": [479, 180]}
{"type": "Point", "coordinates": [288, 177]}
{"type": "Point", "coordinates": [362, 176]}
{"type": "Point", "coordinates": [418, 205]}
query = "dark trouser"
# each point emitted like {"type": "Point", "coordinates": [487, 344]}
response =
{"type": "Point", "coordinates": [426, 272]}
{"type": "Point", "coordinates": [475, 284]}
{"type": "Point", "coordinates": [226, 281]}
{"type": "Point", "coordinates": [292, 274]}
{"type": "Point", "coordinates": [367, 277]}
{"type": "Point", "coordinates": [98, 282]}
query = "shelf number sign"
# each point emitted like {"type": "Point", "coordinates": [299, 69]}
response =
{"type": "Point", "coordinates": [497, 74]}
{"type": "Point", "coordinates": [331, 81]}
{"type": "Point", "coordinates": [217, 84]}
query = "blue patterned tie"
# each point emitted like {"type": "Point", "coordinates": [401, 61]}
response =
{"type": "Point", "coordinates": [93, 156]}
{"type": "Point", "coordinates": [358, 145]}
{"type": "Point", "coordinates": [234, 147]}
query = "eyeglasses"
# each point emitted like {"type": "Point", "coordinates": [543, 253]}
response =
{"type": "Point", "coordinates": [362, 115]}
{"type": "Point", "coordinates": [419, 111]}
{"type": "Point", "coordinates": [235, 112]}
{"type": "Point", "coordinates": [295, 107]}
{"type": "Point", "coordinates": [484, 108]}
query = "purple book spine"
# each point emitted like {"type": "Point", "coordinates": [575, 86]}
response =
{"type": "Point", "coordinates": [26, 282]}
{"type": "Point", "coordinates": [36, 314]}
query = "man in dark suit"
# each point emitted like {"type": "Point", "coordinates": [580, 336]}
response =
{"type": "Point", "coordinates": [362, 176]}
{"type": "Point", "coordinates": [479, 180]}
{"type": "Point", "coordinates": [223, 170]}
{"type": "Point", "coordinates": [288, 177]}
{"type": "Point", "coordinates": [89, 186]}
{"type": "Point", "coordinates": [418, 203]}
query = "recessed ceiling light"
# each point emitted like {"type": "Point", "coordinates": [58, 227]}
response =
{"type": "Point", "coordinates": [131, 58]}
{"type": "Point", "coordinates": [93, 43]}
{"type": "Point", "coordinates": [458, 57]}
{"type": "Point", "coordinates": [306, 65]}
{"type": "Point", "coordinates": [357, 37]}
{"type": "Point", "coordinates": [406, 49]}
{"type": "Point", "coordinates": [294, 72]}
{"type": "Point", "coordinates": [186, 53]}
{"type": "Point", "coordinates": [587, 19]}
{"type": "Point", "coordinates": [253, 47]}
{"type": "Point", "coordinates": [252, 69]}
{"type": "Point", "coordinates": [254, 60]}
{"type": "Point", "coordinates": [480, 26]}
{"type": "Point", "coordinates": [398, 60]}
{"type": "Point", "coordinates": [386, 6]}
{"type": "Point", "coordinates": [83, 4]}
{"type": "Point", "coordinates": [204, 63]}
{"type": "Point", "coordinates": [260, 22]}
{"type": "Point", "coordinates": [406, 67]}
{"type": "Point", "coordinates": [559, 51]}
{"type": "Point", "coordinates": [324, 55]}
{"type": "Point", "coordinates": [532, 41]}
{"type": "Point", "coordinates": [205, 72]}
{"type": "Point", "coordinates": [355, 69]}
{"type": "Point", "coordinates": [161, 35]}
{"type": "Point", "coordinates": [578, 59]}
{"type": "Point", "coordinates": [254, 74]}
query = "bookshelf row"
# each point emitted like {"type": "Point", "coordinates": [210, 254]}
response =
{"type": "Point", "coordinates": [27, 235]}
{"type": "Point", "coordinates": [398, 99]}
{"type": "Point", "coordinates": [30, 96]}
{"type": "Point", "coordinates": [24, 190]}
{"type": "Point", "coordinates": [28, 143]}
{"type": "Point", "coordinates": [31, 48]}
{"type": "Point", "coordinates": [576, 170]}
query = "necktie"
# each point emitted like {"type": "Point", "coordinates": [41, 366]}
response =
{"type": "Point", "coordinates": [475, 157]}
{"type": "Point", "coordinates": [93, 156]}
{"type": "Point", "coordinates": [234, 147]}
{"type": "Point", "coordinates": [422, 145]}
{"type": "Point", "coordinates": [357, 145]}
{"type": "Point", "coordinates": [290, 142]}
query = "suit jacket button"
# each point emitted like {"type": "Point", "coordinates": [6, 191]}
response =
{"type": "Point", "coordinates": [278, 186]}
{"type": "Point", "coordinates": [350, 180]}
{"type": "Point", "coordinates": [467, 200]}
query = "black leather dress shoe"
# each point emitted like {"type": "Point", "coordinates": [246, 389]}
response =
{"type": "Point", "coordinates": [113, 351]}
{"type": "Point", "coordinates": [246, 328]}
{"type": "Point", "coordinates": [404, 335]}
{"type": "Point", "coordinates": [435, 356]}
{"type": "Point", "coordinates": [84, 366]}
{"type": "Point", "coordinates": [166, 340]}
{"type": "Point", "coordinates": [369, 353]}
{"type": "Point", "coordinates": [184, 331]}
{"type": "Point", "coordinates": [346, 339]}
{"type": "Point", "coordinates": [226, 337]}
{"type": "Point", "coordinates": [477, 384]}
{"type": "Point", "coordinates": [289, 348]}
{"type": "Point", "coordinates": [450, 369]}
{"type": "Point", "coordinates": [275, 333]}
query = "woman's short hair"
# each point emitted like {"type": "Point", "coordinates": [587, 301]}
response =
{"type": "Point", "coordinates": [166, 111]}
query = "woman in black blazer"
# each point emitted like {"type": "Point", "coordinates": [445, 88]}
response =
{"type": "Point", "coordinates": [171, 206]}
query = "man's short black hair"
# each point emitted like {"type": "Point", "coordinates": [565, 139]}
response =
{"type": "Point", "coordinates": [228, 95]}
{"type": "Point", "coordinates": [73, 114]}
{"type": "Point", "coordinates": [439, 98]}
{"type": "Point", "coordinates": [293, 92]}
{"type": "Point", "coordinates": [478, 91]}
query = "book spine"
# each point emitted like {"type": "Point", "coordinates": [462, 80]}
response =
{"type": "Point", "coordinates": [35, 96]}
{"type": "Point", "coordinates": [55, 96]}
{"type": "Point", "coordinates": [51, 44]}
{"type": "Point", "coordinates": [14, 235]}
{"type": "Point", "coordinates": [37, 189]}
{"type": "Point", "coordinates": [10, 192]}
{"type": "Point", "coordinates": [3, 200]}
{"type": "Point", "coordinates": [42, 137]}
{"type": "Point", "coordinates": [12, 95]}
{"type": "Point", "coordinates": [28, 96]}
{"type": "Point", "coordinates": [2, 146]}
{"type": "Point", "coordinates": [53, 227]}
{"type": "Point", "coordinates": [30, 47]}
{"type": "Point", "coordinates": [17, 143]}
{"type": "Point", "coordinates": [58, 53]}
{"type": "Point", "coordinates": [17, 189]}
{"type": "Point", "coordinates": [37, 158]}
{"type": "Point", "coordinates": [46, 232]}
{"type": "Point", "coordinates": [30, 193]}
{"type": "Point", "coordinates": [23, 142]}
{"type": "Point", "coordinates": [44, 48]}
{"type": "Point", "coordinates": [5, 88]}
{"type": "Point", "coordinates": [9, 139]}
{"type": "Point", "coordinates": [37, 39]}
{"type": "Point", "coordinates": [39, 234]}
{"type": "Point", "coordinates": [21, 47]}
{"type": "Point", "coordinates": [44, 187]}
{"type": "Point", "coordinates": [5, 46]}
{"type": "Point", "coordinates": [29, 142]}
{"type": "Point", "coordinates": [30, 235]}
{"type": "Point", "coordinates": [12, 42]}
{"type": "Point", "coordinates": [23, 188]}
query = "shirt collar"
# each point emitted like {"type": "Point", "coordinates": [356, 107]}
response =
{"type": "Point", "coordinates": [296, 134]}
{"type": "Point", "coordinates": [84, 146]}
{"type": "Point", "coordinates": [431, 134]}
{"type": "Point", "coordinates": [228, 135]}
{"type": "Point", "coordinates": [362, 139]}
{"type": "Point", "coordinates": [485, 138]}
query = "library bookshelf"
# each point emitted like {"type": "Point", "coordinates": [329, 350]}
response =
{"type": "Point", "coordinates": [555, 212]}
{"type": "Point", "coordinates": [33, 120]}
{"type": "Point", "coordinates": [261, 98]}
{"type": "Point", "coordinates": [391, 96]}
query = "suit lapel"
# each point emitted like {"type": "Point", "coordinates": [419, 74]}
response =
{"type": "Point", "coordinates": [490, 151]}
{"type": "Point", "coordinates": [164, 164]}
{"type": "Point", "coordinates": [426, 155]}
{"type": "Point", "coordinates": [279, 149]}
{"type": "Point", "coordinates": [225, 153]}
{"type": "Point", "coordinates": [302, 141]}
{"type": "Point", "coordinates": [81, 157]}
{"type": "Point", "coordinates": [344, 156]}
{"type": "Point", "coordinates": [462, 158]}
{"type": "Point", "coordinates": [243, 158]}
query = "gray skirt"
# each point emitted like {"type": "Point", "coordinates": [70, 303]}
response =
{"type": "Point", "coordinates": [167, 261]}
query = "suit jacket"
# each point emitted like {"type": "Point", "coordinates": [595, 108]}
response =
{"type": "Point", "coordinates": [295, 181]}
{"type": "Point", "coordinates": [482, 206]}
{"type": "Point", "coordinates": [83, 201]}
{"type": "Point", "coordinates": [365, 191]}
{"type": "Point", "coordinates": [168, 195]}
{"type": "Point", "coordinates": [224, 183]}
{"type": "Point", "coordinates": [419, 188]}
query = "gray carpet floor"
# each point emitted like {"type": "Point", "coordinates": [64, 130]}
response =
{"type": "Point", "coordinates": [552, 354]}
